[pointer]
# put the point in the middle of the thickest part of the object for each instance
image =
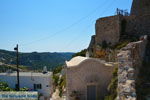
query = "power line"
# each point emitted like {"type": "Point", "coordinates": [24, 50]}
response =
{"type": "Point", "coordinates": [110, 5]}
{"type": "Point", "coordinates": [77, 22]}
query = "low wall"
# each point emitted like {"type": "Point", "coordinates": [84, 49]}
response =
{"type": "Point", "coordinates": [21, 95]}
{"type": "Point", "coordinates": [130, 60]}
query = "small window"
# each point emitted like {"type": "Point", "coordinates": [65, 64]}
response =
{"type": "Point", "coordinates": [37, 86]}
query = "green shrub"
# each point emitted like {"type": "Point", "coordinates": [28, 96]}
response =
{"type": "Point", "coordinates": [57, 70]}
{"type": "Point", "coordinates": [4, 87]}
{"type": "Point", "coordinates": [81, 53]}
{"type": "Point", "coordinates": [120, 45]}
{"type": "Point", "coordinates": [24, 89]}
{"type": "Point", "coordinates": [62, 84]}
{"type": "Point", "coordinates": [56, 79]}
{"type": "Point", "coordinates": [113, 86]}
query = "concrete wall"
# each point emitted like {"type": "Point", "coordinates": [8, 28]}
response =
{"type": "Point", "coordinates": [90, 71]}
{"type": "Point", "coordinates": [130, 60]}
{"type": "Point", "coordinates": [108, 29]}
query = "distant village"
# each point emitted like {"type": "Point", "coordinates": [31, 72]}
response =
{"type": "Point", "coordinates": [115, 66]}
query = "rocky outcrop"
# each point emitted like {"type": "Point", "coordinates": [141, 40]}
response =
{"type": "Point", "coordinates": [130, 60]}
{"type": "Point", "coordinates": [91, 46]}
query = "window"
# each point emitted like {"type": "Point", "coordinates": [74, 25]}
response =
{"type": "Point", "coordinates": [37, 86]}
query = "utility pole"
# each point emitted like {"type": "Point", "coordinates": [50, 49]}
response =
{"type": "Point", "coordinates": [17, 63]}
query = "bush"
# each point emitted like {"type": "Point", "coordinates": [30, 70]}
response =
{"type": "Point", "coordinates": [4, 87]}
{"type": "Point", "coordinates": [57, 70]}
{"type": "Point", "coordinates": [56, 79]}
{"type": "Point", "coordinates": [62, 84]}
{"type": "Point", "coordinates": [24, 89]}
{"type": "Point", "coordinates": [113, 86]}
{"type": "Point", "coordinates": [81, 53]}
{"type": "Point", "coordinates": [120, 45]}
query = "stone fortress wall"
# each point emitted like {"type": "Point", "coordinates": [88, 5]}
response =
{"type": "Point", "coordinates": [140, 7]}
{"type": "Point", "coordinates": [130, 60]}
{"type": "Point", "coordinates": [138, 25]}
{"type": "Point", "coordinates": [108, 29]}
{"type": "Point", "coordinates": [111, 29]}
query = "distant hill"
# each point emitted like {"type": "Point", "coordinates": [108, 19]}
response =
{"type": "Point", "coordinates": [35, 60]}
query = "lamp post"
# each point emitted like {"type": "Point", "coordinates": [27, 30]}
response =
{"type": "Point", "coordinates": [17, 63]}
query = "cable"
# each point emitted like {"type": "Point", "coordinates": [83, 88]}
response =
{"type": "Point", "coordinates": [110, 5]}
{"type": "Point", "coordinates": [56, 33]}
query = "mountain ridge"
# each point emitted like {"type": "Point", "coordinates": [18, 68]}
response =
{"type": "Point", "coordinates": [36, 60]}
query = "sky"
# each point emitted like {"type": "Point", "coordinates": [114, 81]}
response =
{"type": "Point", "coordinates": [52, 25]}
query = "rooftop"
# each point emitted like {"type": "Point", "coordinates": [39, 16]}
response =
{"type": "Point", "coordinates": [26, 74]}
{"type": "Point", "coordinates": [76, 60]}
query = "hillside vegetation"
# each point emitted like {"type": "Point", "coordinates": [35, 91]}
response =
{"type": "Point", "coordinates": [35, 60]}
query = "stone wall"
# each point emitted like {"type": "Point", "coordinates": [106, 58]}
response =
{"type": "Point", "coordinates": [130, 60]}
{"type": "Point", "coordinates": [108, 29]}
{"type": "Point", "coordinates": [90, 72]}
{"type": "Point", "coordinates": [140, 7]}
{"type": "Point", "coordinates": [137, 25]}
{"type": "Point", "coordinates": [112, 29]}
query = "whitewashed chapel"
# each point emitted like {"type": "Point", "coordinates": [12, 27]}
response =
{"type": "Point", "coordinates": [87, 78]}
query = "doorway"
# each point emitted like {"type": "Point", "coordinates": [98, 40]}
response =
{"type": "Point", "coordinates": [91, 92]}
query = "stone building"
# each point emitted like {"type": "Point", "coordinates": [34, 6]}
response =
{"type": "Point", "coordinates": [121, 26]}
{"type": "Point", "coordinates": [87, 78]}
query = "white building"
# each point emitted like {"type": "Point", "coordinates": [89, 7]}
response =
{"type": "Point", "coordinates": [87, 78]}
{"type": "Point", "coordinates": [41, 82]}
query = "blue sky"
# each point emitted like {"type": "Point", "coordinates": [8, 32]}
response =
{"type": "Point", "coordinates": [52, 25]}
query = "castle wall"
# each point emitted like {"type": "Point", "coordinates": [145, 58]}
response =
{"type": "Point", "coordinates": [138, 25]}
{"type": "Point", "coordinates": [108, 29]}
{"type": "Point", "coordinates": [140, 7]}
{"type": "Point", "coordinates": [130, 60]}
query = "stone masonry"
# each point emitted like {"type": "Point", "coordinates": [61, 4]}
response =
{"type": "Point", "coordinates": [140, 7]}
{"type": "Point", "coordinates": [108, 29]}
{"type": "Point", "coordinates": [111, 29]}
{"type": "Point", "coordinates": [130, 60]}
